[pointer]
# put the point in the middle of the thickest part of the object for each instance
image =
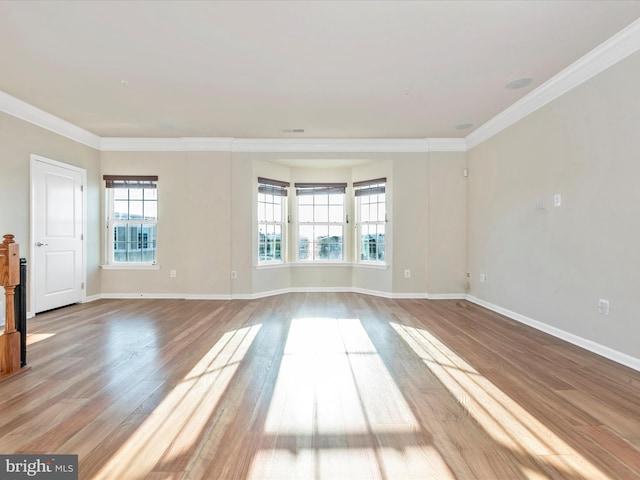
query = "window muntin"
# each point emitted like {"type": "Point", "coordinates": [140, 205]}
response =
{"type": "Point", "coordinates": [321, 221]}
{"type": "Point", "coordinates": [132, 219]}
{"type": "Point", "coordinates": [371, 219]}
{"type": "Point", "coordinates": [272, 204]}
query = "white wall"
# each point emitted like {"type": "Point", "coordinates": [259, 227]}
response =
{"type": "Point", "coordinates": [553, 265]}
{"type": "Point", "coordinates": [194, 215]}
{"type": "Point", "coordinates": [447, 223]}
{"type": "Point", "coordinates": [207, 224]}
{"type": "Point", "coordinates": [20, 139]}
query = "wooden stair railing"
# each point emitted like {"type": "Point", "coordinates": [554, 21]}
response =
{"type": "Point", "coordinates": [9, 279]}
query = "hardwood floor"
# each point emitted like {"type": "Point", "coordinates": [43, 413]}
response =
{"type": "Point", "coordinates": [317, 386]}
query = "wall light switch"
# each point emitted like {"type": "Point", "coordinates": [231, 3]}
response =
{"type": "Point", "coordinates": [603, 307]}
{"type": "Point", "coordinates": [557, 200]}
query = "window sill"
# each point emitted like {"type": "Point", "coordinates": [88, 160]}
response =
{"type": "Point", "coordinates": [131, 266]}
{"type": "Point", "coordinates": [375, 266]}
{"type": "Point", "coordinates": [265, 265]}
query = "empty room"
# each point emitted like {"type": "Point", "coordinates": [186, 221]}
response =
{"type": "Point", "coordinates": [320, 240]}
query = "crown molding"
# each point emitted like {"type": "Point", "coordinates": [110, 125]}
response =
{"type": "Point", "coordinates": [447, 144]}
{"type": "Point", "coordinates": [329, 145]}
{"type": "Point", "coordinates": [184, 144]}
{"type": "Point", "coordinates": [610, 52]}
{"type": "Point", "coordinates": [24, 111]}
{"type": "Point", "coordinates": [284, 145]}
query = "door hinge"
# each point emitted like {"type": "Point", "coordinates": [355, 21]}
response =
{"type": "Point", "coordinates": [82, 188]}
{"type": "Point", "coordinates": [82, 286]}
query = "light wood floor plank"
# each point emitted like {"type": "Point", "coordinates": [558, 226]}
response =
{"type": "Point", "coordinates": [320, 386]}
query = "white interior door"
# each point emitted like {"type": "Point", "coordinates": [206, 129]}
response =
{"type": "Point", "coordinates": [57, 233]}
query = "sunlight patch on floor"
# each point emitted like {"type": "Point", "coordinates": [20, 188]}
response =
{"type": "Point", "coordinates": [38, 337]}
{"type": "Point", "coordinates": [336, 411]}
{"type": "Point", "coordinates": [502, 418]}
{"type": "Point", "coordinates": [179, 420]}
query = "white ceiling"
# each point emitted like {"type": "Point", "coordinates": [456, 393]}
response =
{"type": "Point", "coordinates": [251, 69]}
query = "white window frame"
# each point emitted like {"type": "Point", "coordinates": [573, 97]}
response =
{"type": "Point", "coordinates": [274, 189]}
{"type": "Point", "coordinates": [366, 190]}
{"type": "Point", "coordinates": [130, 183]}
{"type": "Point", "coordinates": [321, 189]}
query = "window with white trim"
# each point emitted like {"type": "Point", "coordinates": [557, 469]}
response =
{"type": "Point", "coordinates": [321, 221]}
{"type": "Point", "coordinates": [371, 219]}
{"type": "Point", "coordinates": [132, 219]}
{"type": "Point", "coordinates": [272, 214]}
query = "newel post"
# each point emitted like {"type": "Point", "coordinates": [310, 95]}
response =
{"type": "Point", "coordinates": [9, 279]}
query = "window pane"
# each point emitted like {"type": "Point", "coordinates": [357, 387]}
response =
{"type": "Point", "coordinates": [336, 213]}
{"type": "Point", "coordinates": [321, 214]}
{"type": "Point", "coordinates": [150, 193]}
{"type": "Point", "coordinates": [306, 214]}
{"type": "Point", "coordinates": [320, 232]}
{"type": "Point", "coordinates": [135, 193]}
{"type": "Point", "coordinates": [277, 209]}
{"type": "Point", "coordinates": [336, 231]}
{"type": "Point", "coordinates": [150, 210]}
{"type": "Point", "coordinates": [134, 243]}
{"type": "Point", "coordinates": [322, 199]}
{"type": "Point", "coordinates": [135, 210]}
{"type": "Point", "coordinates": [305, 232]}
{"type": "Point", "coordinates": [121, 194]}
{"type": "Point", "coordinates": [268, 212]}
{"type": "Point", "coordinates": [121, 210]}
{"type": "Point", "coordinates": [134, 255]}
{"type": "Point", "coordinates": [364, 213]}
{"type": "Point", "coordinates": [335, 243]}
{"type": "Point", "coordinates": [305, 241]}
{"type": "Point", "coordinates": [336, 199]}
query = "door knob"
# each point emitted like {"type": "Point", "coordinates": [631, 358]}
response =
{"type": "Point", "coordinates": [40, 244]}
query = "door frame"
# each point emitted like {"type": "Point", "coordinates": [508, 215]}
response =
{"type": "Point", "coordinates": [33, 268]}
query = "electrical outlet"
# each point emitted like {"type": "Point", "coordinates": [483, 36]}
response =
{"type": "Point", "coordinates": [557, 200]}
{"type": "Point", "coordinates": [484, 278]}
{"type": "Point", "coordinates": [234, 274]}
{"type": "Point", "coordinates": [172, 273]}
{"type": "Point", "coordinates": [407, 274]}
{"type": "Point", "coordinates": [603, 307]}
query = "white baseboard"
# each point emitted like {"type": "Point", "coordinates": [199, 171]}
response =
{"type": "Point", "coordinates": [127, 296]}
{"type": "Point", "coordinates": [446, 296]}
{"type": "Point", "coordinates": [602, 350]}
{"type": "Point", "coordinates": [199, 296]}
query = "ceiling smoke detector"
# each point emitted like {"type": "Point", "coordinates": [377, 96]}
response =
{"type": "Point", "coordinates": [519, 83]}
